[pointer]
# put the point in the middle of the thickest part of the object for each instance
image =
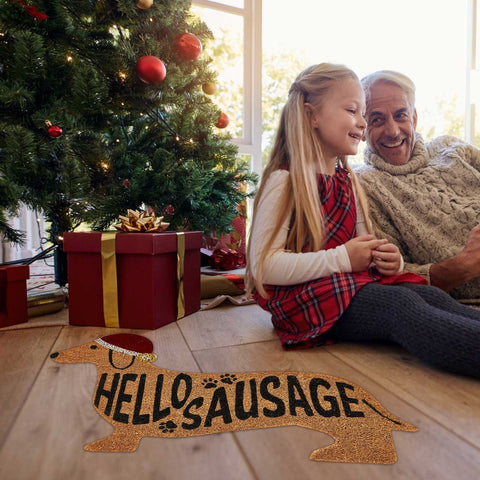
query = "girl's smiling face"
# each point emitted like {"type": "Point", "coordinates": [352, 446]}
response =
{"type": "Point", "coordinates": [339, 120]}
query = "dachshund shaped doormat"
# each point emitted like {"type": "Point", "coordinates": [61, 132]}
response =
{"type": "Point", "coordinates": [142, 400]}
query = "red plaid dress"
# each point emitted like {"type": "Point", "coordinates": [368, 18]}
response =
{"type": "Point", "coordinates": [301, 314]}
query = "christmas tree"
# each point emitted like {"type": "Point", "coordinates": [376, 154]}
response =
{"type": "Point", "coordinates": [105, 107]}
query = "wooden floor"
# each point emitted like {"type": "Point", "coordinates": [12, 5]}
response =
{"type": "Point", "coordinates": [46, 411]}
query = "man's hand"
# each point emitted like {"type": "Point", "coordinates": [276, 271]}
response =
{"type": "Point", "coordinates": [360, 251]}
{"type": "Point", "coordinates": [387, 259]}
{"type": "Point", "coordinates": [462, 267]}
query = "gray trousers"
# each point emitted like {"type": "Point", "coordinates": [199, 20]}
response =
{"type": "Point", "coordinates": [423, 319]}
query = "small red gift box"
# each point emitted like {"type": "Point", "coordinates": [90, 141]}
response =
{"type": "Point", "coordinates": [13, 294]}
{"type": "Point", "coordinates": [148, 289]}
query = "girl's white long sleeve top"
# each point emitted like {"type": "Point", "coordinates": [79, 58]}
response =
{"type": "Point", "coordinates": [289, 268]}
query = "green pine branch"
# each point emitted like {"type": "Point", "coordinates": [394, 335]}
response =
{"type": "Point", "coordinates": [123, 143]}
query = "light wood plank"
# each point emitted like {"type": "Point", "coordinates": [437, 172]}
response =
{"type": "Point", "coordinates": [282, 453]}
{"type": "Point", "coordinates": [226, 325]}
{"type": "Point", "coordinates": [453, 400]}
{"type": "Point", "coordinates": [58, 419]}
{"type": "Point", "coordinates": [22, 354]}
{"type": "Point", "coordinates": [55, 417]}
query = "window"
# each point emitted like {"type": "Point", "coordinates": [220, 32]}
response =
{"type": "Point", "coordinates": [236, 54]}
{"type": "Point", "coordinates": [472, 96]}
{"type": "Point", "coordinates": [424, 39]}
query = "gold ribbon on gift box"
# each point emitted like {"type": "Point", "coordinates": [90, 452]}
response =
{"type": "Point", "coordinates": [180, 270]}
{"type": "Point", "coordinates": [109, 280]}
{"type": "Point", "coordinates": [109, 263]}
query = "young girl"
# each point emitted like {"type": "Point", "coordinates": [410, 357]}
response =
{"type": "Point", "coordinates": [313, 262]}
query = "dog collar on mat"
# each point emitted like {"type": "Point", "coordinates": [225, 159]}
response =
{"type": "Point", "coordinates": [143, 357]}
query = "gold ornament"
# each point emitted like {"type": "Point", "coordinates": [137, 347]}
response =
{"type": "Point", "coordinates": [209, 88]}
{"type": "Point", "coordinates": [144, 4]}
{"type": "Point", "coordinates": [141, 222]}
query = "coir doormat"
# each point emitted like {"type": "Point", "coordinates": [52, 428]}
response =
{"type": "Point", "coordinates": [142, 400]}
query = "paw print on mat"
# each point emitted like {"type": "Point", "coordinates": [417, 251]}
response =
{"type": "Point", "coordinates": [209, 383]}
{"type": "Point", "coordinates": [228, 378]}
{"type": "Point", "coordinates": [167, 427]}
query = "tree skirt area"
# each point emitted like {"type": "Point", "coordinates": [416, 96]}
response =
{"type": "Point", "coordinates": [44, 298]}
{"type": "Point", "coordinates": [42, 278]}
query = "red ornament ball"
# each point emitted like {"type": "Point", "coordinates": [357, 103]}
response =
{"type": "Point", "coordinates": [54, 131]}
{"type": "Point", "coordinates": [169, 210]}
{"type": "Point", "coordinates": [150, 69]}
{"type": "Point", "coordinates": [188, 47]}
{"type": "Point", "coordinates": [222, 121]}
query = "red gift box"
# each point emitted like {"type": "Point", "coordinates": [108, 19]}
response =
{"type": "Point", "coordinates": [13, 294]}
{"type": "Point", "coordinates": [147, 286]}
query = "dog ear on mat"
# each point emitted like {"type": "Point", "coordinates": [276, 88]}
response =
{"type": "Point", "coordinates": [141, 399]}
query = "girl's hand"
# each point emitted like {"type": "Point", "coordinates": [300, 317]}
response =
{"type": "Point", "coordinates": [360, 251]}
{"type": "Point", "coordinates": [387, 259]}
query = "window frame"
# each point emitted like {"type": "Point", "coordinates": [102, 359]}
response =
{"type": "Point", "coordinates": [251, 142]}
{"type": "Point", "coordinates": [472, 75]}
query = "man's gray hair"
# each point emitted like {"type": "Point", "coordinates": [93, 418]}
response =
{"type": "Point", "coordinates": [390, 76]}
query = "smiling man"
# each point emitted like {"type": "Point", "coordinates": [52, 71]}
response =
{"type": "Point", "coordinates": [424, 197]}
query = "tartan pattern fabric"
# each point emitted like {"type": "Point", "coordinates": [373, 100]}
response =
{"type": "Point", "coordinates": [301, 314]}
{"type": "Point", "coordinates": [339, 209]}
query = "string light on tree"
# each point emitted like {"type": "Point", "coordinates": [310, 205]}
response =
{"type": "Point", "coordinates": [188, 47]}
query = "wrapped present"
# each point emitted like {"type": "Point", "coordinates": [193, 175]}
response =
{"type": "Point", "coordinates": [13, 294]}
{"type": "Point", "coordinates": [132, 280]}
{"type": "Point", "coordinates": [45, 302]}
{"type": "Point", "coordinates": [228, 251]}
{"type": "Point", "coordinates": [212, 285]}
{"type": "Point", "coordinates": [238, 240]}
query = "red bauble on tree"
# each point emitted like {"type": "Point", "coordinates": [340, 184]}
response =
{"type": "Point", "coordinates": [168, 210]}
{"type": "Point", "coordinates": [222, 121]}
{"type": "Point", "coordinates": [54, 131]}
{"type": "Point", "coordinates": [150, 69]}
{"type": "Point", "coordinates": [188, 47]}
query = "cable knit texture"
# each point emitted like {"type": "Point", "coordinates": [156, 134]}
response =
{"type": "Point", "coordinates": [428, 206]}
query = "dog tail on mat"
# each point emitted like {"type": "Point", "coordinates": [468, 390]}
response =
{"type": "Point", "coordinates": [396, 423]}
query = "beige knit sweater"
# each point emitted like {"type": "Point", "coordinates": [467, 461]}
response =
{"type": "Point", "coordinates": [428, 206]}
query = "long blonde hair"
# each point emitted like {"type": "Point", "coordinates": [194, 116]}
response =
{"type": "Point", "coordinates": [298, 149]}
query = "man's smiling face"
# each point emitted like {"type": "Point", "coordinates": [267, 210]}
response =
{"type": "Point", "coordinates": [391, 123]}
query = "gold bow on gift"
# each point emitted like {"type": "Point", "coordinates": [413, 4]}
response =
{"type": "Point", "coordinates": [141, 222]}
{"type": "Point", "coordinates": [135, 222]}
